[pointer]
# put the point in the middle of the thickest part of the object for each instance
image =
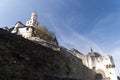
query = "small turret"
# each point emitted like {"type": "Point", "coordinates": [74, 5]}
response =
{"type": "Point", "coordinates": [34, 13]}
{"type": "Point", "coordinates": [33, 20]}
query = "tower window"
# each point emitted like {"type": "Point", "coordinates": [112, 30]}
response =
{"type": "Point", "coordinates": [107, 66]}
{"type": "Point", "coordinates": [93, 68]}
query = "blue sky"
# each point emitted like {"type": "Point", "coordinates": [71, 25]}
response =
{"type": "Point", "coordinates": [79, 24]}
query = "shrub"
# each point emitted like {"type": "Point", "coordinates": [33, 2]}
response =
{"type": "Point", "coordinates": [43, 33]}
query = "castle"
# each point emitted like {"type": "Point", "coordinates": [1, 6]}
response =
{"type": "Point", "coordinates": [103, 66]}
{"type": "Point", "coordinates": [27, 30]}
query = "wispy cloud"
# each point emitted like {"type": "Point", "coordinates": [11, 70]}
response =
{"type": "Point", "coordinates": [71, 39]}
{"type": "Point", "coordinates": [75, 40]}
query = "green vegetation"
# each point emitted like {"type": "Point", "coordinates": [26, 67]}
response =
{"type": "Point", "coordinates": [44, 33]}
{"type": "Point", "coordinates": [57, 66]}
{"type": "Point", "coordinates": [68, 67]}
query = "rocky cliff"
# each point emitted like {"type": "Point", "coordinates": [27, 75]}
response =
{"type": "Point", "coordinates": [22, 59]}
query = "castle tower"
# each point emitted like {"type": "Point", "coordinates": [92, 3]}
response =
{"type": "Point", "coordinates": [33, 20]}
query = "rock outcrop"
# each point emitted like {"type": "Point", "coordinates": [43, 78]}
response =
{"type": "Point", "coordinates": [22, 59]}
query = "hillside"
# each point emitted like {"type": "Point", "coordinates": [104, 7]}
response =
{"type": "Point", "coordinates": [22, 59]}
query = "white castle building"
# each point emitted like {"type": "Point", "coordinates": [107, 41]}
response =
{"type": "Point", "coordinates": [24, 31]}
{"type": "Point", "coordinates": [27, 30]}
{"type": "Point", "coordinates": [103, 66]}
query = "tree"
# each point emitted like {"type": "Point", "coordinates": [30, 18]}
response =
{"type": "Point", "coordinates": [43, 33]}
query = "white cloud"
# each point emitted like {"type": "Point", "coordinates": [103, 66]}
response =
{"type": "Point", "coordinates": [75, 40]}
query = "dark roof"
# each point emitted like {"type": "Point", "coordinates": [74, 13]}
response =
{"type": "Point", "coordinates": [74, 50]}
{"type": "Point", "coordinates": [11, 29]}
{"type": "Point", "coordinates": [19, 22]}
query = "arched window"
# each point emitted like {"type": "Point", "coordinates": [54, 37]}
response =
{"type": "Point", "coordinates": [98, 76]}
{"type": "Point", "coordinates": [113, 66]}
{"type": "Point", "coordinates": [107, 66]}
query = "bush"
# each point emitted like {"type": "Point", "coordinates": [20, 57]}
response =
{"type": "Point", "coordinates": [43, 33]}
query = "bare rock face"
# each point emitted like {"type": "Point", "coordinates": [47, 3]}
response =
{"type": "Point", "coordinates": [22, 59]}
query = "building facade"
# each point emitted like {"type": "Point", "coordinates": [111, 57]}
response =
{"type": "Point", "coordinates": [24, 31]}
{"type": "Point", "coordinates": [103, 65]}
{"type": "Point", "coordinates": [27, 30]}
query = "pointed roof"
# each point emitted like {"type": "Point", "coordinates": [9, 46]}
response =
{"type": "Point", "coordinates": [91, 49]}
{"type": "Point", "coordinates": [92, 53]}
{"type": "Point", "coordinates": [34, 13]}
{"type": "Point", "coordinates": [74, 50]}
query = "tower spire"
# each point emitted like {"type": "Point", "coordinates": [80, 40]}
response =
{"type": "Point", "coordinates": [91, 49]}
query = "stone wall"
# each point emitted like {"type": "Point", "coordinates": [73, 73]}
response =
{"type": "Point", "coordinates": [22, 59]}
{"type": "Point", "coordinates": [78, 70]}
